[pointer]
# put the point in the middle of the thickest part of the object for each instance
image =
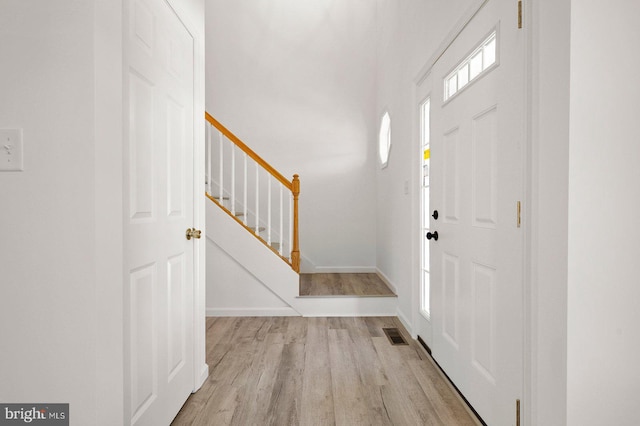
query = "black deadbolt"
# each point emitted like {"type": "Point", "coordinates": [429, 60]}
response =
{"type": "Point", "coordinates": [435, 214]}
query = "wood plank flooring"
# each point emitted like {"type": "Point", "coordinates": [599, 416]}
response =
{"type": "Point", "coordinates": [287, 371]}
{"type": "Point", "coordinates": [343, 285]}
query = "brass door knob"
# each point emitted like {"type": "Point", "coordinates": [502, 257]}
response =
{"type": "Point", "coordinates": [193, 233]}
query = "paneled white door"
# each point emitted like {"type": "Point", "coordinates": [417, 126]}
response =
{"type": "Point", "coordinates": [476, 183]}
{"type": "Point", "coordinates": [159, 130]}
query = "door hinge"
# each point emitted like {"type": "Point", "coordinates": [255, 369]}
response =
{"type": "Point", "coordinates": [517, 412]}
{"type": "Point", "coordinates": [519, 13]}
{"type": "Point", "coordinates": [518, 214]}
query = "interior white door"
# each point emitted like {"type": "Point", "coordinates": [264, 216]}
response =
{"type": "Point", "coordinates": [159, 130]}
{"type": "Point", "coordinates": [476, 263]}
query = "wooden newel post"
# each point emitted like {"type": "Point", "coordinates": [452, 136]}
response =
{"type": "Point", "coordinates": [295, 250]}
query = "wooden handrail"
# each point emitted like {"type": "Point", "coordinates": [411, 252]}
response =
{"type": "Point", "coordinates": [292, 185]}
{"type": "Point", "coordinates": [233, 138]}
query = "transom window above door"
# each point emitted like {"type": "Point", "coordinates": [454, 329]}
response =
{"type": "Point", "coordinates": [479, 62]}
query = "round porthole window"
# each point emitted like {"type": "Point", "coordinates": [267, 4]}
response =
{"type": "Point", "coordinates": [384, 140]}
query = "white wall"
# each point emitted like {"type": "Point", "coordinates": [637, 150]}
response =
{"type": "Point", "coordinates": [233, 290]}
{"type": "Point", "coordinates": [408, 34]}
{"type": "Point", "coordinates": [548, 24]}
{"type": "Point", "coordinates": [108, 208]}
{"type": "Point", "coordinates": [47, 254]}
{"type": "Point", "coordinates": [295, 81]}
{"type": "Point", "coordinates": [61, 219]}
{"type": "Point", "coordinates": [604, 248]}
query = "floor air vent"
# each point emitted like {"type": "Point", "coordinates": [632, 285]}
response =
{"type": "Point", "coordinates": [394, 336]}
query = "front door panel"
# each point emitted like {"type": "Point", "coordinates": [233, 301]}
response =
{"type": "Point", "coordinates": [476, 181]}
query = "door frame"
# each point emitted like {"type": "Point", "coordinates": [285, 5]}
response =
{"type": "Point", "coordinates": [529, 302]}
{"type": "Point", "coordinates": [420, 95]}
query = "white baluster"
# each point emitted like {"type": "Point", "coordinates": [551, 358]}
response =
{"type": "Point", "coordinates": [257, 199]}
{"type": "Point", "coordinates": [269, 210]}
{"type": "Point", "coordinates": [244, 203]}
{"type": "Point", "coordinates": [221, 187]}
{"type": "Point", "coordinates": [280, 246]}
{"type": "Point", "coordinates": [290, 227]}
{"type": "Point", "coordinates": [233, 179]}
{"type": "Point", "coordinates": [210, 154]}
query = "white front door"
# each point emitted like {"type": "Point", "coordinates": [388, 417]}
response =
{"type": "Point", "coordinates": [159, 130]}
{"type": "Point", "coordinates": [476, 183]}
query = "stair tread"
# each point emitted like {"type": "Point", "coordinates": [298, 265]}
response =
{"type": "Point", "coordinates": [344, 284]}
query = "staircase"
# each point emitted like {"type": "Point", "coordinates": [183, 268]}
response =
{"type": "Point", "coordinates": [252, 220]}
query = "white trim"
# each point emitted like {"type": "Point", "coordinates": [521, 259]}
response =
{"type": "Point", "coordinates": [416, 202]}
{"type": "Point", "coordinates": [529, 264]}
{"type": "Point", "coordinates": [347, 306]}
{"type": "Point", "coordinates": [406, 323]}
{"type": "Point", "coordinates": [252, 312]}
{"type": "Point", "coordinates": [108, 237]}
{"type": "Point", "coordinates": [204, 374]}
{"type": "Point", "coordinates": [330, 297]}
{"type": "Point", "coordinates": [421, 93]}
{"type": "Point", "coordinates": [386, 280]}
{"type": "Point", "coordinates": [306, 265]}
{"type": "Point", "coordinates": [464, 20]}
{"type": "Point", "coordinates": [345, 269]}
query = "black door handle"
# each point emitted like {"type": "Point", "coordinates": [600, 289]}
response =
{"type": "Point", "coordinates": [434, 235]}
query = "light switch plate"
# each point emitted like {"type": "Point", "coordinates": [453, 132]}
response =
{"type": "Point", "coordinates": [11, 152]}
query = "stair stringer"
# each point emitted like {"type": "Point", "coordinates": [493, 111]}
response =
{"type": "Point", "coordinates": [253, 255]}
{"type": "Point", "coordinates": [277, 276]}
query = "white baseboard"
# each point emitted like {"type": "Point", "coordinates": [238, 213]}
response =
{"type": "Point", "coordinates": [347, 306]}
{"type": "Point", "coordinates": [405, 322]}
{"type": "Point", "coordinates": [204, 373]}
{"type": "Point", "coordinates": [344, 269]}
{"type": "Point", "coordinates": [401, 315]}
{"type": "Point", "coordinates": [306, 265]}
{"type": "Point", "coordinates": [386, 280]}
{"type": "Point", "coordinates": [252, 312]}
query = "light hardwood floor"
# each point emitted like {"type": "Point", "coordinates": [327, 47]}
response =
{"type": "Point", "coordinates": [343, 285]}
{"type": "Point", "coordinates": [286, 371]}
